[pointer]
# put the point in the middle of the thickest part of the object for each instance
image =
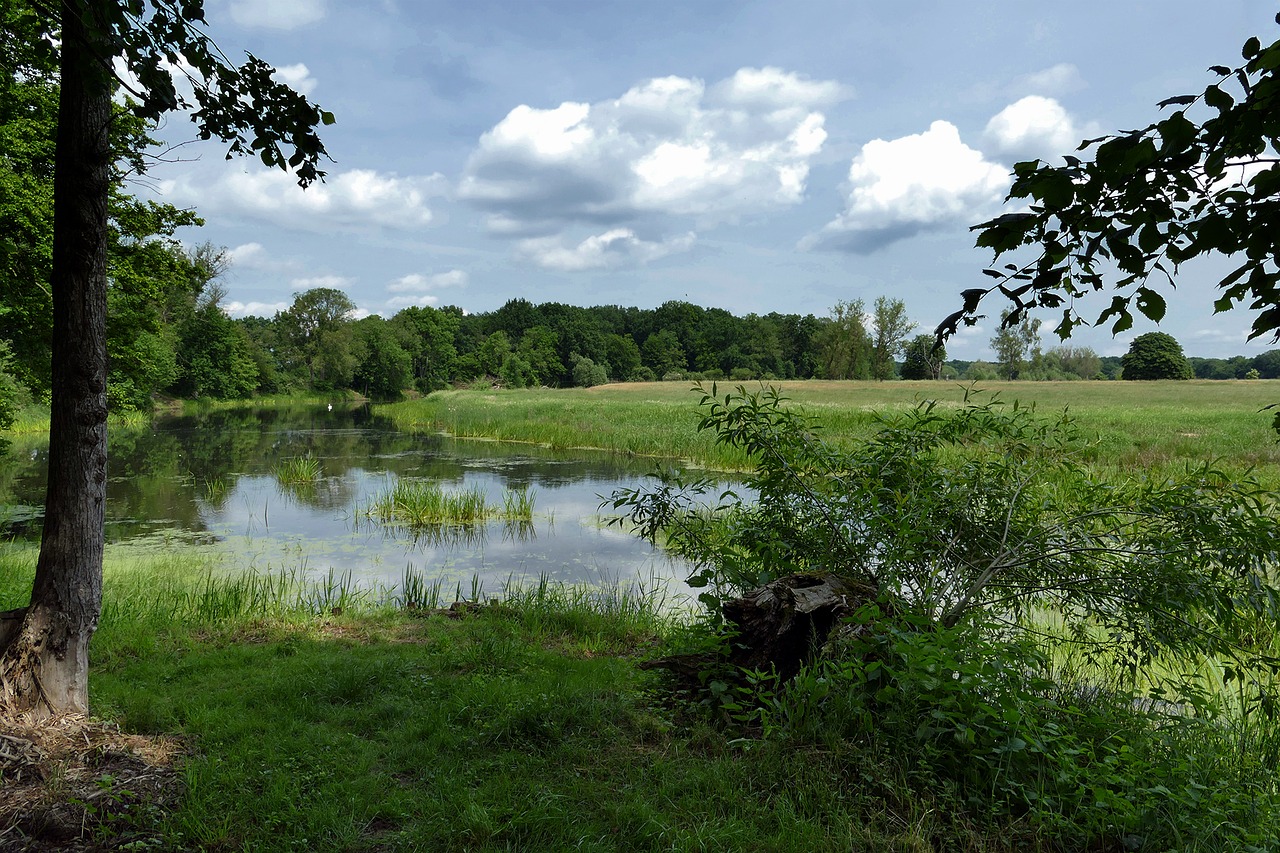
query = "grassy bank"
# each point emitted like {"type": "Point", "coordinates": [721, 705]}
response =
{"type": "Point", "coordinates": [1136, 424]}
{"type": "Point", "coordinates": [322, 718]}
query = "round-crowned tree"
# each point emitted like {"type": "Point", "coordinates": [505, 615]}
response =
{"type": "Point", "coordinates": [1155, 355]}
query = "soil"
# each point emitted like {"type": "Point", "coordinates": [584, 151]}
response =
{"type": "Point", "coordinates": [74, 784]}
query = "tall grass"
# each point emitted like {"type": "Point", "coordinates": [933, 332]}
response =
{"type": "Point", "coordinates": [420, 503]}
{"type": "Point", "coordinates": [1136, 426]}
{"type": "Point", "coordinates": [297, 470]}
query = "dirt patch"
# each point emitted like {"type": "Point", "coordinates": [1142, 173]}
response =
{"type": "Point", "coordinates": [75, 784]}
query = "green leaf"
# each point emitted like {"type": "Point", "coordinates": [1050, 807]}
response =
{"type": "Point", "coordinates": [1151, 304]}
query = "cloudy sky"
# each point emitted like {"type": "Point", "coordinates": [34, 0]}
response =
{"type": "Point", "coordinates": [753, 156]}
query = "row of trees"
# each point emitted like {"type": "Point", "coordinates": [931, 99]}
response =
{"type": "Point", "coordinates": [168, 334]}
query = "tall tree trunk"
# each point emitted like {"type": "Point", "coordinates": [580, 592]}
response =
{"type": "Point", "coordinates": [44, 665]}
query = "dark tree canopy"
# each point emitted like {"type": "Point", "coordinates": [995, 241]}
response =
{"type": "Point", "coordinates": [1203, 181]}
{"type": "Point", "coordinates": [1155, 355]}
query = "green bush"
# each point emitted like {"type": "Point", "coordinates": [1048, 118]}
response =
{"type": "Point", "coordinates": [993, 555]}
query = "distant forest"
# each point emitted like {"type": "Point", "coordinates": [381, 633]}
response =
{"type": "Point", "coordinates": [169, 336]}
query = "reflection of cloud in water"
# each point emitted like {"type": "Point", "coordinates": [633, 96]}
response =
{"type": "Point", "coordinates": [209, 476]}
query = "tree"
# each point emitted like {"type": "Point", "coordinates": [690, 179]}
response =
{"type": "Point", "coordinates": [844, 346]}
{"type": "Point", "coordinates": [384, 368]}
{"type": "Point", "coordinates": [587, 373]}
{"type": "Point", "coordinates": [317, 326]}
{"type": "Point", "coordinates": [1016, 344]}
{"type": "Point", "coordinates": [429, 339]}
{"type": "Point", "coordinates": [44, 662]}
{"type": "Point", "coordinates": [924, 358]}
{"type": "Point", "coordinates": [663, 354]}
{"type": "Point", "coordinates": [1076, 361]}
{"type": "Point", "coordinates": [1155, 355]}
{"type": "Point", "coordinates": [891, 330]}
{"type": "Point", "coordinates": [1148, 201]}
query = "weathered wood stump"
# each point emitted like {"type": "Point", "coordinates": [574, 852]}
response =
{"type": "Point", "coordinates": [780, 626]}
{"type": "Point", "coordinates": [784, 624]}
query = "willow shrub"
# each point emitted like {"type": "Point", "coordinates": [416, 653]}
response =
{"type": "Point", "coordinates": [979, 527]}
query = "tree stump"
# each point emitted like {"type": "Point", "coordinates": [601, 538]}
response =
{"type": "Point", "coordinates": [778, 627]}
{"type": "Point", "coordinates": [784, 624]}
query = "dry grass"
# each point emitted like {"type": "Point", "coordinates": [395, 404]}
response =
{"type": "Point", "coordinates": [72, 783]}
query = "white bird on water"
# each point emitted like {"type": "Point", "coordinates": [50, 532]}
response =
{"type": "Point", "coordinates": [331, 407]}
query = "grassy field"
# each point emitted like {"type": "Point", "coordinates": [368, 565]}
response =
{"type": "Point", "coordinates": [318, 716]}
{"type": "Point", "coordinates": [1135, 424]}
{"type": "Point", "coordinates": [314, 717]}
{"type": "Point", "coordinates": [318, 720]}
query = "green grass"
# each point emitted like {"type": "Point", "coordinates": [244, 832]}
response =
{"type": "Point", "coordinates": [297, 470]}
{"type": "Point", "coordinates": [1135, 425]}
{"type": "Point", "coordinates": [321, 717]}
{"type": "Point", "coordinates": [420, 503]}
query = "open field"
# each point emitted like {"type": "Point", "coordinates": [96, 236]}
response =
{"type": "Point", "coordinates": [1135, 425]}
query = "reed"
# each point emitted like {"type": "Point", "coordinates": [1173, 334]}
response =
{"type": "Point", "coordinates": [297, 470]}
{"type": "Point", "coordinates": [421, 504]}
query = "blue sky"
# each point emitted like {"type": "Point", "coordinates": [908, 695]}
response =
{"type": "Point", "coordinates": [753, 156]}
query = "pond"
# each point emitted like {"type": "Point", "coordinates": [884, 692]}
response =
{"type": "Point", "coordinates": [214, 479]}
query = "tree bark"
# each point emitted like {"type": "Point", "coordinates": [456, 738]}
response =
{"type": "Point", "coordinates": [44, 664]}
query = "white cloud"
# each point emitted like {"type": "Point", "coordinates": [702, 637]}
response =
{"type": "Point", "coordinates": [397, 302]}
{"type": "Point", "coordinates": [418, 282]}
{"type": "Point", "coordinates": [1060, 79]}
{"type": "Point", "coordinates": [277, 14]}
{"type": "Point", "coordinates": [254, 309]}
{"type": "Point", "coordinates": [667, 148]}
{"type": "Point", "coordinates": [615, 248]}
{"type": "Point", "coordinates": [901, 187]}
{"type": "Point", "coordinates": [1033, 127]}
{"type": "Point", "coordinates": [354, 200]}
{"type": "Point", "coordinates": [251, 255]}
{"type": "Point", "coordinates": [297, 77]}
{"type": "Point", "coordinates": [777, 89]}
{"type": "Point", "coordinates": [335, 282]}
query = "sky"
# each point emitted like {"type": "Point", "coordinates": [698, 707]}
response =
{"type": "Point", "coordinates": [752, 156]}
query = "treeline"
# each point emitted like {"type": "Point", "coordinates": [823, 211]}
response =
{"type": "Point", "coordinates": [168, 335]}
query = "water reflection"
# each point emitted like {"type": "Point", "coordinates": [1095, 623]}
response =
{"type": "Point", "coordinates": [211, 478]}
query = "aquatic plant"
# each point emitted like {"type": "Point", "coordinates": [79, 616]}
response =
{"type": "Point", "coordinates": [297, 470]}
{"type": "Point", "coordinates": [419, 503]}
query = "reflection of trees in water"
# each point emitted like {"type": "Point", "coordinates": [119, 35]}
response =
{"type": "Point", "coordinates": [166, 474]}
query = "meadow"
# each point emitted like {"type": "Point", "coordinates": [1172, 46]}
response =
{"type": "Point", "coordinates": [1135, 425]}
{"type": "Point", "coordinates": [314, 714]}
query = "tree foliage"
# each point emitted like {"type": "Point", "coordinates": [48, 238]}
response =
{"type": "Point", "coordinates": [981, 516]}
{"type": "Point", "coordinates": [923, 358]}
{"type": "Point", "coordinates": [1204, 180]}
{"type": "Point", "coordinates": [1155, 355]}
{"type": "Point", "coordinates": [1016, 344]}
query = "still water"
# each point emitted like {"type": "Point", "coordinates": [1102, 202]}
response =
{"type": "Point", "coordinates": [210, 479]}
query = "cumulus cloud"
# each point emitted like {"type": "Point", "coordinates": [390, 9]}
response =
{"type": "Point", "coordinates": [297, 77]}
{"type": "Point", "coordinates": [334, 282]}
{"type": "Point", "coordinates": [418, 282]}
{"type": "Point", "coordinates": [277, 14]}
{"type": "Point", "coordinates": [395, 303]}
{"type": "Point", "coordinates": [1033, 127]}
{"type": "Point", "coordinates": [254, 309]}
{"type": "Point", "coordinates": [901, 187]}
{"type": "Point", "coordinates": [353, 200]}
{"type": "Point", "coordinates": [773, 88]}
{"type": "Point", "coordinates": [1060, 79]}
{"type": "Point", "coordinates": [668, 148]}
{"type": "Point", "coordinates": [617, 247]}
{"type": "Point", "coordinates": [251, 255]}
